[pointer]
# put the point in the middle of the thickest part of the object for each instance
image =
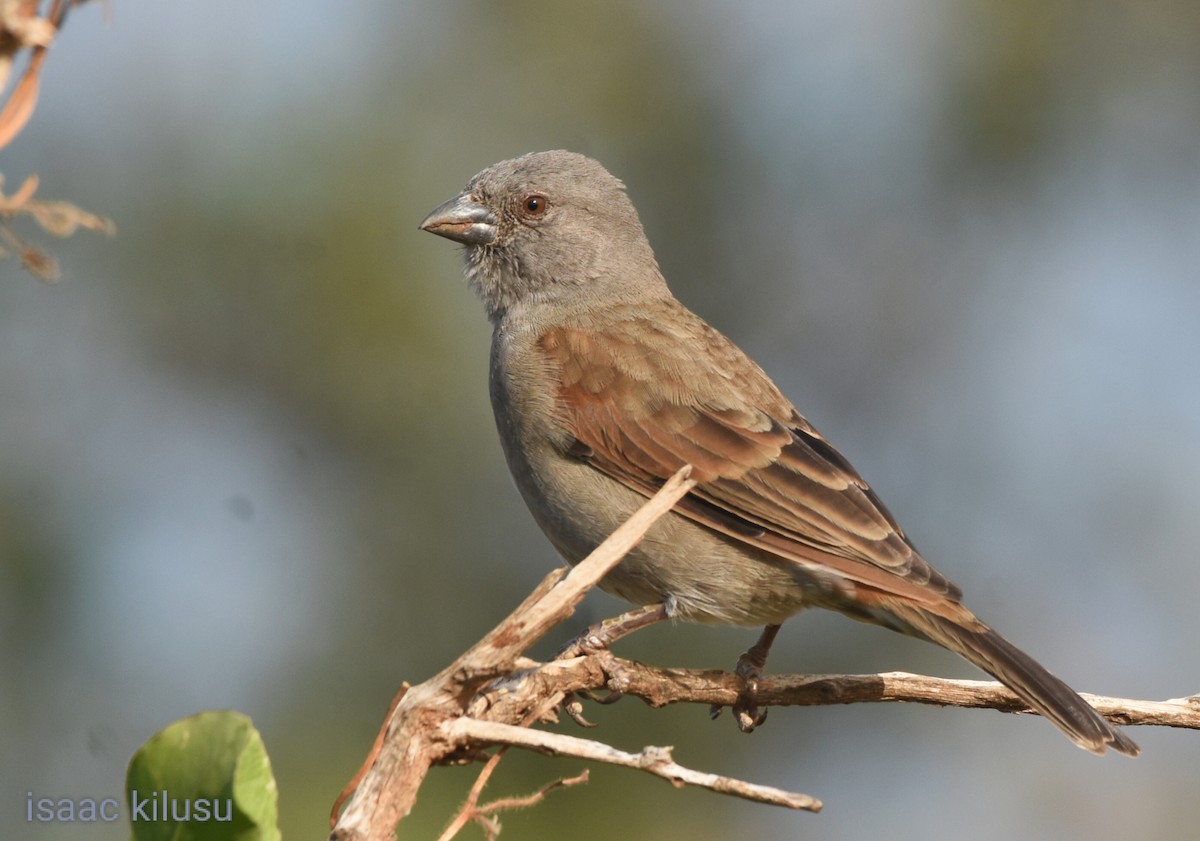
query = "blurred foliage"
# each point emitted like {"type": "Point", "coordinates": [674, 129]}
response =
{"type": "Point", "coordinates": [1036, 71]}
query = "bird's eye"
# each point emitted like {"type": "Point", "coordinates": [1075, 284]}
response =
{"type": "Point", "coordinates": [534, 204]}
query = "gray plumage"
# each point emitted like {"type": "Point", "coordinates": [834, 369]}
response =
{"type": "Point", "coordinates": [603, 385]}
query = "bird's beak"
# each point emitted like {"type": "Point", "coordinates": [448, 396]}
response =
{"type": "Point", "coordinates": [462, 219]}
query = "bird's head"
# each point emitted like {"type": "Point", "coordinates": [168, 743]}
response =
{"type": "Point", "coordinates": [549, 228]}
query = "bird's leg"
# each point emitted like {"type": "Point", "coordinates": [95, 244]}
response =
{"type": "Point", "coordinates": [749, 668]}
{"type": "Point", "coordinates": [596, 640]}
{"type": "Point", "coordinates": [603, 634]}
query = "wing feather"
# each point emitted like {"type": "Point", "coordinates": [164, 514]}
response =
{"type": "Point", "coordinates": [766, 476]}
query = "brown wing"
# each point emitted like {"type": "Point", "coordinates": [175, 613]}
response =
{"type": "Point", "coordinates": [640, 405]}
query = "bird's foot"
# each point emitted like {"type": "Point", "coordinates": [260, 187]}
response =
{"type": "Point", "coordinates": [594, 642]}
{"type": "Point", "coordinates": [749, 668]}
{"type": "Point", "coordinates": [600, 636]}
{"type": "Point", "coordinates": [572, 704]}
{"type": "Point", "coordinates": [745, 710]}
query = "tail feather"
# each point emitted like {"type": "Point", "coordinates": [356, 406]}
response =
{"type": "Point", "coordinates": [1027, 678]}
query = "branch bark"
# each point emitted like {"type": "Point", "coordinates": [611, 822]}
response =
{"type": "Point", "coordinates": [654, 760]}
{"type": "Point", "coordinates": [414, 738]}
{"type": "Point", "coordinates": [492, 694]}
{"type": "Point", "coordinates": [659, 687]}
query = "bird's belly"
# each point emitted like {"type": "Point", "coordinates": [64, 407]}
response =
{"type": "Point", "coordinates": [701, 574]}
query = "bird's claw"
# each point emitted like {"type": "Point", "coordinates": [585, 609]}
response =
{"type": "Point", "coordinates": [611, 697]}
{"type": "Point", "coordinates": [749, 668]}
{"type": "Point", "coordinates": [583, 645]}
{"type": "Point", "coordinates": [618, 681]}
{"type": "Point", "coordinates": [746, 711]}
{"type": "Point", "coordinates": [574, 709]}
{"type": "Point", "coordinates": [600, 636]}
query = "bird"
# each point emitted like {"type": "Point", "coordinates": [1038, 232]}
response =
{"type": "Point", "coordinates": [603, 385]}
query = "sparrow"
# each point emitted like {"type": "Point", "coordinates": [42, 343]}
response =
{"type": "Point", "coordinates": [603, 385]}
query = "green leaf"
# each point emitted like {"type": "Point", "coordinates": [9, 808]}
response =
{"type": "Point", "coordinates": [203, 778]}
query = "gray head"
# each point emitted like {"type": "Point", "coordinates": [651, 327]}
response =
{"type": "Point", "coordinates": [549, 227]}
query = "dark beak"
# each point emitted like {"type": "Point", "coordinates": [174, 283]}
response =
{"type": "Point", "coordinates": [462, 219]}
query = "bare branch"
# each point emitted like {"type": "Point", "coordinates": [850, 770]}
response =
{"type": "Point", "coordinates": [470, 810]}
{"type": "Point", "coordinates": [483, 814]}
{"type": "Point", "coordinates": [653, 760]}
{"type": "Point", "coordinates": [507, 803]}
{"type": "Point", "coordinates": [20, 28]}
{"type": "Point", "coordinates": [535, 617]}
{"type": "Point", "coordinates": [659, 687]}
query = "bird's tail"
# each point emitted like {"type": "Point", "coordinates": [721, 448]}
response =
{"type": "Point", "coordinates": [1023, 675]}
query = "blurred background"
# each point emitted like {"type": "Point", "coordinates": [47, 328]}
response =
{"type": "Point", "coordinates": [246, 454]}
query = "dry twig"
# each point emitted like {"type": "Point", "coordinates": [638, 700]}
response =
{"type": "Point", "coordinates": [22, 28]}
{"type": "Point", "coordinates": [654, 760]}
{"type": "Point", "coordinates": [59, 218]}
